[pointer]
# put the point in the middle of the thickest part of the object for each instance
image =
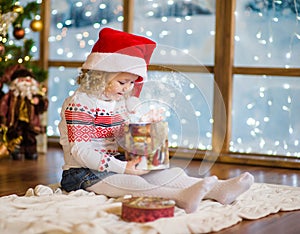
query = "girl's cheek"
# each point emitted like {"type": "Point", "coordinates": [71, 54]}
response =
{"type": "Point", "coordinates": [110, 88]}
{"type": "Point", "coordinates": [131, 87]}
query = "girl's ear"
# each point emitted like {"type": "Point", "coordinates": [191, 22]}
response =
{"type": "Point", "coordinates": [137, 88]}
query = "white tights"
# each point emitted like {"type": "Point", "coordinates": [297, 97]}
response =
{"type": "Point", "coordinates": [224, 191]}
{"type": "Point", "coordinates": [174, 184]}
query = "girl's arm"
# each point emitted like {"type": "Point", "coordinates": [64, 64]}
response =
{"type": "Point", "coordinates": [80, 130]}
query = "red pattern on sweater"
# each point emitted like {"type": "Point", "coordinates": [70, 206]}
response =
{"type": "Point", "coordinates": [84, 124]}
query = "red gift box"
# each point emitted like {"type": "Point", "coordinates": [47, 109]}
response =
{"type": "Point", "coordinates": [146, 209]}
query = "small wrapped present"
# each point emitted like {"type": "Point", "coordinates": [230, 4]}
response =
{"type": "Point", "coordinates": [149, 141]}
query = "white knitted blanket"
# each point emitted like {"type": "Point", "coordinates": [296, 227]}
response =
{"type": "Point", "coordinates": [46, 209]}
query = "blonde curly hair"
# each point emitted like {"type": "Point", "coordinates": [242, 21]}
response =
{"type": "Point", "coordinates": [94, 82]}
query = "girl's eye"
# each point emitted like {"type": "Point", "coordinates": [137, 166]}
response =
{"type": "Point", "coordinates": [125, 82]}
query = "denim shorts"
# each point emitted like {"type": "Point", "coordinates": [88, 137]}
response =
{"type": "Point", "coordinates": [81, 178]}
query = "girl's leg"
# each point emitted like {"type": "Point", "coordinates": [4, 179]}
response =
{"type": "Point", "coordinates": [225, 191]}
{"type": "Point", "coordinates": [172, 177]}
{"type": "Point", "coordinates": [122, 184]}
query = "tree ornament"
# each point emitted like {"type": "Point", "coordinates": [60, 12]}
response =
{"type": "Point", "coordinates": [36, 25]}
{"type": "Point", "coordinates": [3, 39]}
{"type": "Point", "coordinates": [17, 9]}
{"type": "Point", "coordinates": [18, 32]}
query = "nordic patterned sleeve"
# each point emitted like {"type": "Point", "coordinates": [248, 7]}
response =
{"type": "Point", "coordinates": [82, 129]}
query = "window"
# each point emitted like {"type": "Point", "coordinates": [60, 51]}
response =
{"type": "Point", "coordinates": [265, 106]}
{"type": "Point", "coordinates": [236, 63]}
{"type": "Point", "coordinates": [75, 28]}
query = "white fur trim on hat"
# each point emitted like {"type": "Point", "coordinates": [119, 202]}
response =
{"type": "Point", "coordinates": [115, 62]}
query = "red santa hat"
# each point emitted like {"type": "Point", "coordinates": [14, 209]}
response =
{"type": "Point", "coordinates": [117, 51]}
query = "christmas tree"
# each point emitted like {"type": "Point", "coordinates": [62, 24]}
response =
{"type": "Point", "coordinates": [12, 16]}
{"type": "Point", "coordinates": [26, 97]}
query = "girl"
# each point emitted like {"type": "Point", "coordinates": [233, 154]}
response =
{"type": "Point", "coordinates": [90, 118]}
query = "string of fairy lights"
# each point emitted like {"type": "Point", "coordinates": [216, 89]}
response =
{"type": "Point", "coordinates": [256, 136]}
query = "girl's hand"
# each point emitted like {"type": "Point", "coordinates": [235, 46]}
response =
{"type": "Point", "coordinates": [131, 167]}
{"type": "Point", "coordinates": [153, 116]}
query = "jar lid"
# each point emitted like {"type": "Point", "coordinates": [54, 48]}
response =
{"type": "Point", "coordinates": [148, 202]}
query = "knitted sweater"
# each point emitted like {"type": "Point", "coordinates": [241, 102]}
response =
{"type": "Point", "coordinates": [87, 130]}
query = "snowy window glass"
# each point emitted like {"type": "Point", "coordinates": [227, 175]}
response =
{"type": "Point", "coordinates": [184, 30]}
{"type": "Point", "coordinates": [266, 108]}
{"type": "Point", "coordinates": [187, 103]}
{"type": "Point", "coordinates": [265, 116]}
{"type": "Point", "coordinates": [267, 33]}
{"type": "Point", "coordinates": [62, 83]}
{"type": "Point", "coordinates": [74, 28]}
{"type": "Point", "coordinates": [75, 25]}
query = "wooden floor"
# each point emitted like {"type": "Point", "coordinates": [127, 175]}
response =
{"type": "Point", "coordinates": [17, 176]}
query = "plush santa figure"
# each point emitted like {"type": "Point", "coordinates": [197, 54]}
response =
{"type": "Point", "coordinates": [20, 111]}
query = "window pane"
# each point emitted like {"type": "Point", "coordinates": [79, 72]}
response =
{"type": "Point", "coordinates": [35, 36]}
{"type": "Point", "coordinates": [187, 99]}
{"type": "Point", "coordinates": [265, 115]}
{"type": "Point", "coordinates": [75, 26]}
{"type": "Point", "coordinates": [267, 33]}
{"type": "Point", "coordinates": [183, 30]}
{"type": "Point", "coordinates": [61, 84]}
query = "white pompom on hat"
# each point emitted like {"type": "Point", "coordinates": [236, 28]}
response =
{"type": "Point", "coordinates": [118, 51]}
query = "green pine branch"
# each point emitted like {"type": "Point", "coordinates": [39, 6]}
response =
{"type": "Point", "coordinates": [30, 10]}
{"type": "Point", "coordinates": [6, 5]}
{"type": "Point", "coordinates": [13, 53]}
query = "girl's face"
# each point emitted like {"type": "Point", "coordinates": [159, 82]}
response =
{"type": "Point", "coordinates": [121, 84]}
